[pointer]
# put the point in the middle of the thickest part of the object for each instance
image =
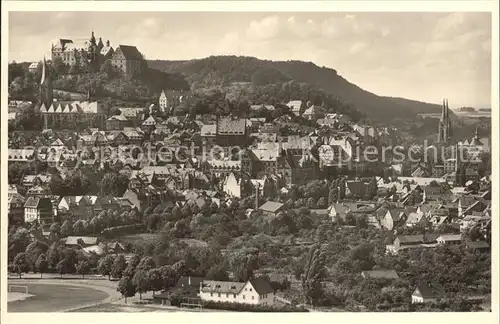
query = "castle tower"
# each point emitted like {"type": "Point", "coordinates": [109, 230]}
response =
{"type": "Point", "coordinates": [100, 44]}
{"type": "Point", "coordinates": [92, 40]}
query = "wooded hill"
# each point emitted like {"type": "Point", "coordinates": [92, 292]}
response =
{"type": "Point", "coordinates": [222, 71]}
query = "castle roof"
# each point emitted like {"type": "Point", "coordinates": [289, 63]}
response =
{"type": "Point", "coordinates": [106, 50]}
{"type": "Point", "coordinates": [130, 52]}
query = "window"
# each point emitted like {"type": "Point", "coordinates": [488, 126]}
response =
{"type": "Point", "coordinates": [227, 295]}
{"type": "Point", "coordinates": [252, 297]}
{"type": "Point", "coordinates": [234, 295]}
{"type": "Point", "coordinates": [250, 289]}
{"type": "Point", "coordinates": [211, 294]}
{"type": "Point", "coordinates": [244, 296]}
{"type": "Point", "coordinates": [218, 295]}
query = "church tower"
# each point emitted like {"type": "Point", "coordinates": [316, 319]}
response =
{"type": "Point", "coordinates": [444, 129]}
{"type": "Point", "coordinates": [46, 93]}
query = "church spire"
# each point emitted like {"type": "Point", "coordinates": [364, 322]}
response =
{"type": "Point", "coordinates": [42, 79]}
{"type": "Point", "coordinates": [46, 95]}
{"type": "Point", "coordinates": [92, 39]}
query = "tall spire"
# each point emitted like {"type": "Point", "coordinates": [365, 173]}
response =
{"type": "Point", "coordinates": [443, 113]}
{"type": "Point", "coordinates": [46, 95]}
{"type": "Point", "coordinates": [42, 79]}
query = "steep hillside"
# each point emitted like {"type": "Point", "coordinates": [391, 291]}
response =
{"type": "Point", "coordinates": [222, 70]}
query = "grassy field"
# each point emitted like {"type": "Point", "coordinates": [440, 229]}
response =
{"type": "Point", "coordinates": [56, 298]}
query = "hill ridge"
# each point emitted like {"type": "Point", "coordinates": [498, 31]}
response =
{"type": "Point", "coordinates": [219, 70]}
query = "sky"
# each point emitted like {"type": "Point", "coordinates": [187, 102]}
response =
{"type": "Point", "coordinates": [420, 56]}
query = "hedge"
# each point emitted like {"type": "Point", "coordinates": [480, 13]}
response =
{"type": "Point", "coordinates": [253, 308]}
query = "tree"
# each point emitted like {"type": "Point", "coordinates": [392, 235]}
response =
{"type": "Point", "coordinates": [53, 256]}
{"type": "Point", "coordinates": [55, 231]}
{"type": "Point", "coordinates": [59, 67]}
{"type": "Point", "coordinates": [131, 266]}
{"type": "Point", "coordinates": [217, 272]}
{"type": "Point", "coordinates": [66, 228]}
{"type": "Point", "coordinates": [21, 263]}
{"type": "Point", "coordinates": [321, 203]}
{"type": "Point", "coordinates": [41, 264]}
{"type": "Point", "coordinates": [105, 266]}
{"type": "Point", "coordinates": [168, 277]}
{"type": "Point", "coordinates": [146, 264]}
{"type": "Point", "coordinates": [126, 287]}
{"type": "Point", "coordinates": [342, 187]}
{"type": "Point", "coordinates": [119, 266]}
{"type": "Point", "coordinates": [79, 227]}
{"type": "Point", "coordinates": [155, 279]}
{"type": "Point", "coordinates": [243, 266]}
{"type": "Point", "coordinates": [371, 189]}
{"type": "Point", "coordinates": [176, 213]}
{"type": "Point", "coordinates": [333, 194]}
{"type": "Point", "coordinates": [314, 272]}
{"type": "Point", "coordinates": [114, 184]}
{"type": "Point", "coordinates": [141, 281]}
{"type": "Point", "coordinates": [62, 267]}
{"type": "Point", "coordinates": [83, 268]}
{"type": "Point", "coordinates": [33, 251]}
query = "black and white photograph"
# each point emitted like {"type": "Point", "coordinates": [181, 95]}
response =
{"type": "Point", "coordinates": [280, 161]}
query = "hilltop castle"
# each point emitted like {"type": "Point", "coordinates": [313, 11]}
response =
{"type": "Point", "coordinates": [77, 52]}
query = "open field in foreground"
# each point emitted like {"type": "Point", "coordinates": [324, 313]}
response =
{"type": "Point", "coordinates": [55, 298]}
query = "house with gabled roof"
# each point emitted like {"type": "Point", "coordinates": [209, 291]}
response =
{"type": "Point", "coordinates": [38, 209]}
{"type": "Point", "coordinates": [449, 239]}
{"type": "Point", "coordinates": [415, 219]}
{"type": "Point", "coordinates": [128, 59]}
{"type": "Point", "coordinates": [380, 274]}
{"type": "Point", "coordinates": [393, 217]}
{"type": "Point", "coordinates": [427, 293]}
{"type": "Point", "coordinates": [253, 292]}
{"type": "Point", "coordinates": [271, 208]}
{"type": "Point", "coordinates": [295, 106]}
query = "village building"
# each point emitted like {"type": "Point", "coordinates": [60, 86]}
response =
{"type": "Point", "coordinates": [379, 274]}
{"type": "Point", "coordinates": [128, 59]}
{"type": "Point", "coordinates": [253, 292]}
{"type": "Point", "coordinates": [38, 209]}
{"type": "Point", "coordinates": [427, 293]}
{"type": "Point", "coordinates": [271, 208]}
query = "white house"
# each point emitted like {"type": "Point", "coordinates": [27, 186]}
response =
{"type": "Point", "coordinates": [37, 209]}
{"type": "Point", "coordinates": [163, 101]}
{"type": "Point", "coordinates": [295, 106]}
{"type": "Point", "coordinates": [253, 292]}
{"type": "Point", "coordinates": [427, 293]}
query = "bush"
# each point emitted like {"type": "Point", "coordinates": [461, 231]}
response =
{"type": "Point", "coordinates": [252, 308]}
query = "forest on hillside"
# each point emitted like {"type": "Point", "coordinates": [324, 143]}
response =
{"type": "Point", "coordinates": [222, 71]}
